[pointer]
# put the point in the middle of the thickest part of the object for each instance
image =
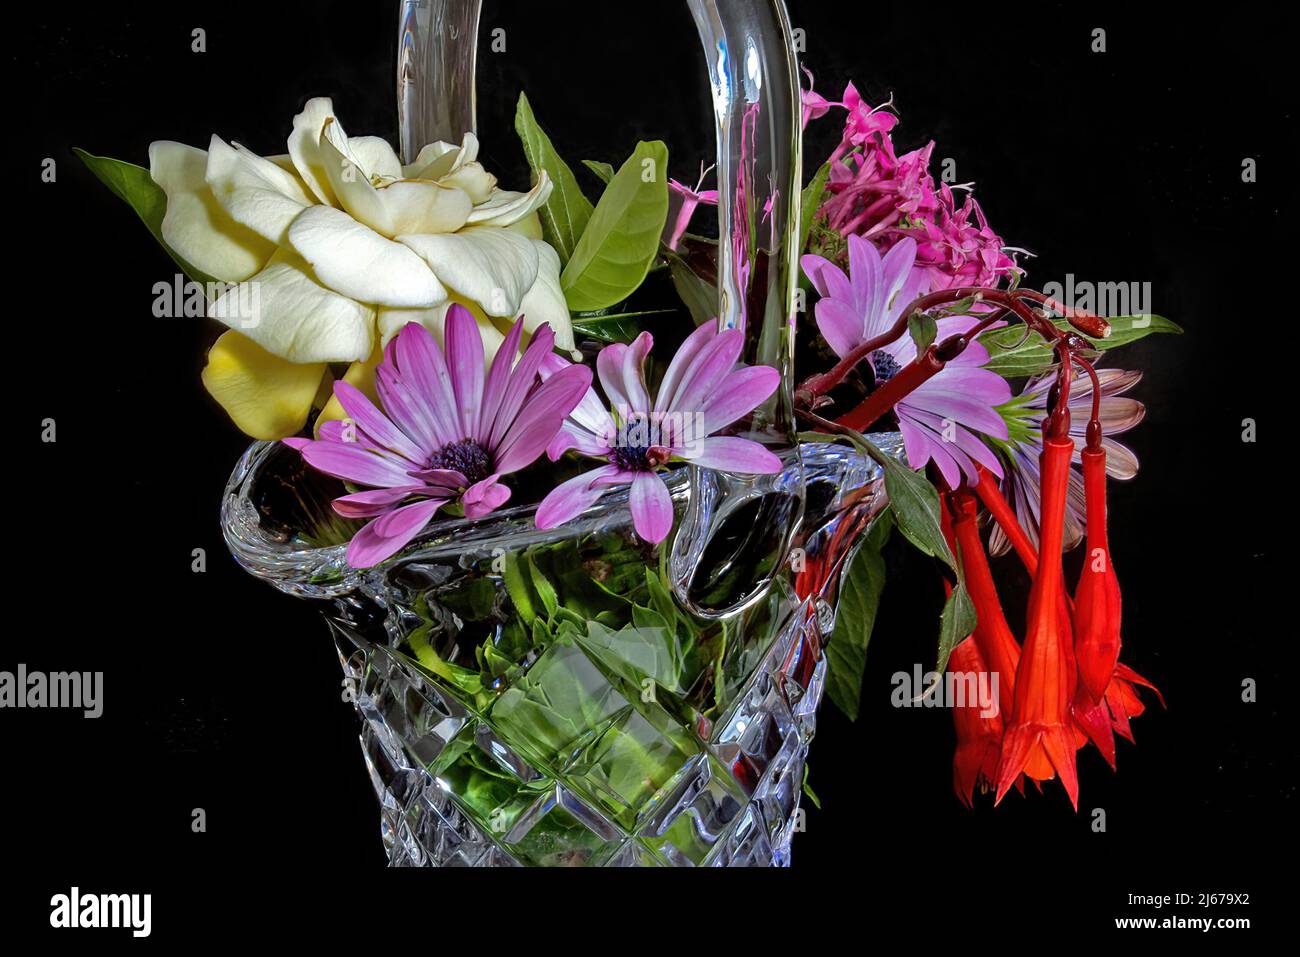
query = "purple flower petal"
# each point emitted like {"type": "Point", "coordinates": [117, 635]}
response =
{"type": "Point", "coordinates": [465, 362]}
{"type": "Point", "coordinates": [733, 454]}
{"type": "Point", "coordinates": [539, 421]}
{"type": "Point", "coordinates": [681, 361]}
{"type": "Point", "coordinates": [522, 379]}
{"type": "Point", "coordinates": [410, 414]}
{"type": "Point", "coordinates": [485, 496]}
{"type": "Point", "coordinates": [498, 379]}
{"type": "Point", "coordinates": [376, 501]}
{"type": "Point", "coordinates": [706, 370]}
{"type": "Point", "coordinates": [740, 393]}
{"type": "Point", "coordinates": [390, 533]}
{"type": "Point", "coordinates": [375, 424]}
{"type": "Point", "coordinates": [351, 463]}
{"type": "Point", "coordinates": [652, 507]}
{"type": "Point", "coordinates": [421, 365]}
{"type": "Point", "coordinates": [569, 499]}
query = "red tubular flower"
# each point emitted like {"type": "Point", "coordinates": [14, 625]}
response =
{"type": "Point", "coordinates": [1045, 678]}
{"type": "Point", "coordinates": [997, 645]}
{"type": "Point", "coordinates": [1097, 597]}
{"type": "Point", "coordinates": [979, 734]}
{"type": "Point", "coordinates": [1123, 701]}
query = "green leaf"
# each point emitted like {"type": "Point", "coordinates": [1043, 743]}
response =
{"type": "Point", "coordinates": [699, 297]}
{"type": "Point", "coordinates": [517, 587]}
{"type": "Point", "coordinates": [923, 330]}
{"type": "Point", "coordinates": [860, 589]}
{"type": "Point", "coordinates": [545, 590]}
{"type": "Point", "coordinates": [136, 187]}
{"type": "Point", "coordinates": [957, 621]}
{"type": "Point", "coordinates": [622, 237]}
{"type": "Point", "coordinates": [812, 198]}
{"type": "Point", "coordinates": [616, 327]}
{"type": "Point", "coordinates": [808, 790]}
{"type": "Point", "coordinates": [567, 211]}
{"type": "Point", "coordinates": [604, 171]}
{"type": "Point", "coordinates": [914, 503]}
{"type": "Point", "coordinates": [1013, 354]}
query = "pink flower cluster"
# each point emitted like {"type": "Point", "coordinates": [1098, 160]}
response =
{"type": "Point", "coordinates": [874, 193]}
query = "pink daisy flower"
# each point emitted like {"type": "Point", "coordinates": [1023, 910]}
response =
{"type": "Point", "coordinates": [701, 393]}
{"type": "Point", "coordinates": [446, 435]}
{"type": "Point", "coordinates": [939, 420]}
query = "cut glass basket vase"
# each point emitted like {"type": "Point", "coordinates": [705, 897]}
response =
{"type": "Point", "coordinates": [538, 698]}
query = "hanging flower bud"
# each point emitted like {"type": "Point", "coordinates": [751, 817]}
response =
{"type": "Point", "coordinates": [1097, 597]}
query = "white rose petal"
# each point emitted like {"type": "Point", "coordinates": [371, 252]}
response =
{"type": "Point", "coordinates": [255, 191]}
{"type": "Point", "coordinates": [376, 156]}
{"type": "Point", "coordinates": [405, 206]}
{"type": "Point", "coordinates": [492, 267]}
{"type": "Point", "coordinates": [304, 147]}
{"type": "Point", "coordinates": [289, 314]}
{"type": "Point", "coordinates": [544, 302]}
{"type": "Point", "coordinates": [196, 226]}
{"type": "Point", "coordinates": [357, 262]}
{"type": "Point", "coordinates": [505, 207]}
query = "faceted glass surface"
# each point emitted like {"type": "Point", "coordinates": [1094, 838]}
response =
{"type": "Point", "coordinates": [539, 699]}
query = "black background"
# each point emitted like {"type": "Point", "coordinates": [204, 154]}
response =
{"type": "Point", "coordinates": [223, 694]}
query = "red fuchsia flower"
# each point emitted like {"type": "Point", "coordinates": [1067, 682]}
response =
{"type": "Point", "coordinates": [701, 393]}
{"type": "Point", "coordinates": [979, 735]}
{"type": "Point", "coordinates": [1122, 699]}
{"type": "Point", "coordinates": [446, 435]}
{"type": "Point", "coordinates": [1021, 451]}
{"type": "Point", "coordinates": [1097, 602]}
{"type": "Point", "coordinates": [1041, 724]}
{"type": "Point", "coordinates": [940, 419]}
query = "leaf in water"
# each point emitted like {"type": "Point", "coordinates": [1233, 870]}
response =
{"type": "Point", "coordinates": [812, 198]}
{"type": "Point", "coordinates": [808, 790]}
{"type": "Point", "coordinates": [567, 211]}
{"type": "Point", "coordinates": [618, 326]}
{"type": "Point", "coordinates": [1013, 354]}
{"type": "Point", "coordinates": [604, 171]}
{"type": "Point", "coordinates": [622, 238]}
{"type": "Point", "coordinates": [859, 597]}
{"type": "Point", "coordinates": [517, 587]}
{"type": "Point", "coordinates": [136, 187]}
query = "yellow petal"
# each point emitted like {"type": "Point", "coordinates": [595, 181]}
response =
{"type": "Point", "coordinates": [360, 374]}
{"type": "Point", "coordinates": [266, 396]}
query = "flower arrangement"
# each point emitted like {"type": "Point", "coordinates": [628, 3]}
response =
{"type": "Point", "coordinates": [446, 350]}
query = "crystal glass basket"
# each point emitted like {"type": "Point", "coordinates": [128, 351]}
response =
{"type": "Point", "coordinates": [592, 723]}
{"type": "Point", "coordinates": [571, 697]}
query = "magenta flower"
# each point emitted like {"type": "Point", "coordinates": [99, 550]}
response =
{"type": "Point", "coordinates": [876, 194]}
{"type": "Point", "coordinates": [446, 434]}
{"type": "Point", "coordinates": [682, 202]}
{"type": "Point", "coordinates": [701, 393]}
{"type": "Point", "coordinates": [940, 418]}
{"type": "Point", "coordinates": [1025, 414]}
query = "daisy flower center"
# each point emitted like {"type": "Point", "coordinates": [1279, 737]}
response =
{"type": "Point", "coordinates": [466, 457]}
{"type": "Point", "coordinates": [885, 366]}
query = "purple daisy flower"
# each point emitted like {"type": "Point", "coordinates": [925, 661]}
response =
{"type": "Point", "coordinates": [940, 419]}
{"type": "Point", "coordinates": [701, 393]}
{"type": "Point", "coordinates": [446, 435]}
{"type": "Point", "coordinates": [1025, 414]}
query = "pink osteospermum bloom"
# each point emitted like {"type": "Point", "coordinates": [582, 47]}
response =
{"type": "Point", "coordinates": [447, 433]}
{"type": "Point", "coordinates": [940, 419]}
{"type": "Point", "coordinates": [1026, 412]}
{"type": "Point", "coordinates": [702, 392]}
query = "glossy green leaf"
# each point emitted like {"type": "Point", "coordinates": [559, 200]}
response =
{"type": "Point", "coordinates": [622, 237]}
{"type": "Point", "coordinates": [604, 171]}
{"type": "Point", "coordinates": [567, 212]}
{"type": "Point", "coordinates": [859, 598]}
{"type": "Point", "coordinates": [1013, 354]}
{"type": "Point", "coordinates": [136, 187]}
{"type": "Point", "coordinates": [810, 200]}
{"type": "Point", "coordinates": [618, 326]}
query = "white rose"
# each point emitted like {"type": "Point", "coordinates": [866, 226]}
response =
{"type": "Point", "coordinates": [336, 246]}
